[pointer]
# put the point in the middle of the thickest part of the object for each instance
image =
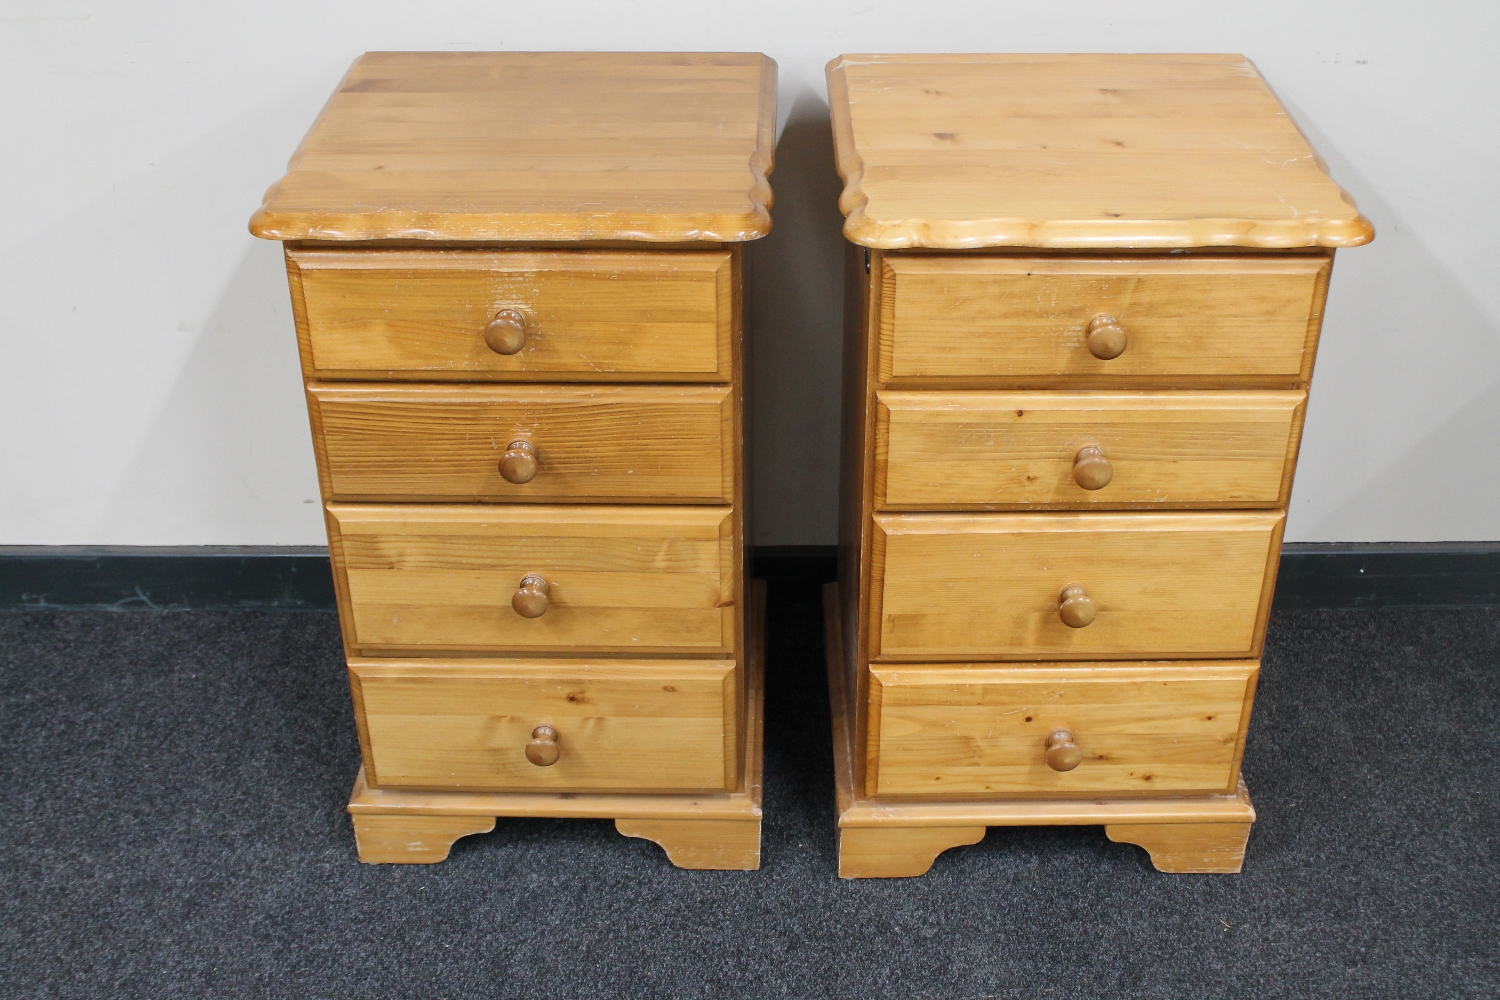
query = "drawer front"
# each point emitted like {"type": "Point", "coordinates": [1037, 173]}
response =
{"type": "Point", "coordinates": [997, 449]}
{"type": "Point", "coordinates": [1027, 317]}
{"type": "Point", "coordinates": [433, 577]}
{"type": "Point", "coordinates": [989, 586]}
{"type": "Point", "coordinates": [1141, 729]}
{"type": "Point", "coordinates": [588, 316]}
{"type": "Point", "coordinates": [623, 726]}
{"type": "Point", "coordinates": [638, 443]}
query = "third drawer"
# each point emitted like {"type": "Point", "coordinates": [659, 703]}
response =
{"type": "Point", "coordinates": [425, 578]}
{"type": "Point", "coordinates": [992, 586]}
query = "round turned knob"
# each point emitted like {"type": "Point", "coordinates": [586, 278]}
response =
{"type": "Point", "coordinates": [531, 600]}
{"type": "Point", "coordinates": [542, 750]}
{"type": "Point", "coordinates": [1075, 606]}
{"type": "Point", "coordinates": [1106, 337]}
{"type": "Point", "coordinates": [518, 464]}
{"type": "Point", "coordinates": [1062, 753]}
{"type": "Point", "coordinates": [1091, 470]}
{"type": "Point", "coordinates": [506, 333]}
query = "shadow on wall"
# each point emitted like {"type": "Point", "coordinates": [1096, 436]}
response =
{"type": "Point", "coordinates": [1401, 440]}
{"type": "Point", "coordinates": [795, 338]}
{"type": "Point", "coordinates": [238, 410]}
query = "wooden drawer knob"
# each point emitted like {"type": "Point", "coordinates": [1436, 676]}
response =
{"type": "Point", "coordinates": [542, 750]}
{"type": "Point", "coordinates": [1062, 753]}
{"type": "Point", "coordinates": [1075, 606]}
{"type": "Point", "coordinates": [1091, 470]}
{"type": "Point", "coordinates": [531, 600]}
{"type": "Point", "coordinates": [506, 333]}
{"type": "Point", "coordinates": [518, 464]}
{"type": "Point", "coordinates": [1106, 337]}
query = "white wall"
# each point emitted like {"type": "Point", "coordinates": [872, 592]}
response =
{"type": "Point", "coordinates": [149, 386]}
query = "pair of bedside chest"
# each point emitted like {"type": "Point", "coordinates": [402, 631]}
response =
{"type": "Point", "coordinates": [1083, 301]}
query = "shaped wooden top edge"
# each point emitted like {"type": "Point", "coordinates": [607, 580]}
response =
{"type": "Point", "coordinates": [462, 227]}
{"type": "Point", "coordinates": [1064, 234]}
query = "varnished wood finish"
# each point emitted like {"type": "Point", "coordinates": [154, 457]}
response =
{"type": "Point", "coordinates": [651, 444]}
{"type": "Point", "coordinates": [987, 586]}
{"type": "Point", "coordinates": [413, 840]}
{"type": "Point", "coordinates": [432, 577]}
{"type": "Point", "coordinates": [1091, 151]}
{"type": "Point", "coordinates": [1142, 729]}
{"type": "Point", "coordinates": [628, 725]}
{"type": "Point", "coordinates": [856, 812]}
{"type": "Point", "coordinates": [722, 844]}
{"type": "Point", "coordinates": [1013, 450]}
{"type": "Point", "coordinates": [1208, 848]}
{"type": "Point", "coordinates": [1008, 318]}
{"type": "Point", "coordinates": [898, 852]}
{"type": "Point", "coordinates": [550, 222]}
{"type": "Point", "coordinates": [704, 829]}
{"type": "Point", "coordinates": [535, 146]}
{"type": "Point", "coordinates": [589, 316]}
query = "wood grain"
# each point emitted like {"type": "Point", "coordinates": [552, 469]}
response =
{"type": "Point", "coordinates": [899, 852]}
{"type": "Point", "coordinates": [722, 845]}
{"type": "Point", "coordinates": [1144, 729]}
{"type": "Point", "coordinates": [413, 840]}
{"type": "Point", "coordinates": [1207, 848]}
{"type": "Point", "coordinates": [1016, 450]}
{"type": "Point", "coordinates": [535, 146]}
{"type": "Point", "coordinates": [592, 443]}
{"type": "Point", "coordinates": [590, 316]}
{"type": "Point", "coordinates": [438, 578]}
{"type": "Point", "coordinates": [1093, 151]}
{"type": "Point", "coordinates": [1018, 317]}
{"type": "Point", "coordinates": [627, 725]}
{"type": "Point", "coordinates": [985, 586]}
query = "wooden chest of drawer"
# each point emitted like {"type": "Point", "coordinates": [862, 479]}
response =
{"type": "Point", "coordinates": [1079, 336]}
{"type": "Point", "coordinates": [523, 355]}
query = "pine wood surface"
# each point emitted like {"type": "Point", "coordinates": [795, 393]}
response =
{"type": "Point", "coordinates": [1144, 729]}
{"type": "Point", "coordinates": [435, 578]}
{"type": "Point", "coordinates": [1017, 317]}
{"type": "Point", "coordinates": [1187, 848]}
{"type": "Point", "coordinates": [535, 146]}
{"type": "Point", "coordinates": [590, 316]}
{"type": "Point", "coordinates": [1091, 151]}
{"type": "Point", "coordinates": [633, 725]}
{"type": "Point", "coordinates": [709, 830]}
{"type": "Point", "coordinates": [995, 450]}
{"type": "Point", "coordinates": [658, 444]}
{"type": "Point", "coordinates": [857, 809]}
{"type": "Point", "coordinates": [986, 586]}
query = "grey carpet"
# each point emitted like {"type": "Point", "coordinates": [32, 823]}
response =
{"type": "Point", "coordinates": [174, 827]}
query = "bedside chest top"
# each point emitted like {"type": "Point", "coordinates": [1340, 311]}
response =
{"type": "Point", "coordinates": [1076, 151]}
{"type": "Point", "coordinates": [535, 147]}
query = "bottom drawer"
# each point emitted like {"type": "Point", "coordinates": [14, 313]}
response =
{"type": "Point", "coordinates": [986, 732]}
{"type": "Point", "coordinates": [616, 726]}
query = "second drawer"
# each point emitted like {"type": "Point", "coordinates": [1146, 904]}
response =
{"type": "Point", "coordinates": [433, 577]}
{"type": "Point", "coordinates": [572, 443]}
{"type": "Point", "coordinates": [1085, 449]}
{"type": "Point", "coordinates": [996, 586]}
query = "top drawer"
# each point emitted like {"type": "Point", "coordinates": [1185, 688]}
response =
{"type": "Point", "coordinates": [587, 317]}
{"type": "Point", "coordinates": [1188, 320]}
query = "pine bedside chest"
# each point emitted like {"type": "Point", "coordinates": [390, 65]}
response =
{"type": "Point", "coordinates": [517, 285]}
{"type": "Point", "coordinates": [1084, 295]}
